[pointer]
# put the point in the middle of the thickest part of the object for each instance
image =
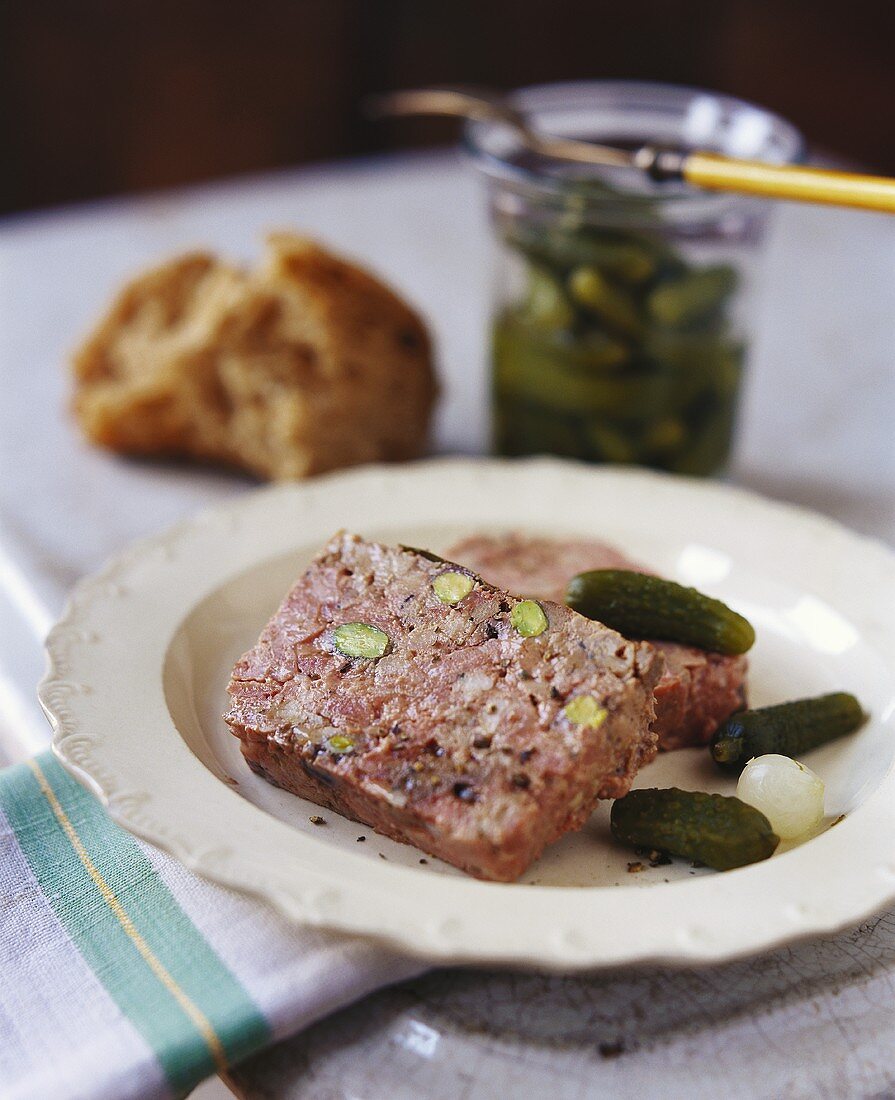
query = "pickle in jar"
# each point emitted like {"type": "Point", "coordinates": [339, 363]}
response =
{"type": "Point", "coordinates": [620, 349]}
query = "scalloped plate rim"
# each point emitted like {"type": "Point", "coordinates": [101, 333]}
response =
{"type": "Point", "coordinates": [560, 955]}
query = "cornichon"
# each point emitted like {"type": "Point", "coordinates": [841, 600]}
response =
{"type": "Point", "coordinates": [556, 378]}
{"type": "Point", "coordinates": [621, 257]}
{"type": "Point", "coordinates": [623, 260]}
{"type": "Point", "coordinates": [528, 619]}
{"type": "Point", "coordinates": [788, 729]}
{"type": "Point", "coordinates": [546, 304]}
{"type": "Point", "coordinates": [611, 443]}
{"type": "Point", "coordinates": [620, 349]}
{"type": "Point", "coordinates": [629, 398]}
{"type": "Point", "coordinates": [665, 435]}
{"type": "Point", "coordinates": [714, 829]}
{"type": "Point", "coordinates": [642, 606]}
{"type": "Point", "coordinates": [706, 448]}
{"type": "Point", "coordinates": [516, 332]}
{"type": "Point", "coordinates": [596, 293]}
{"type": "Point", "coordinates": [360, 640]}
{"type": "Point", "coordinates": [524, 429]}
{"type": "Point", "coordinates": [681, 302]}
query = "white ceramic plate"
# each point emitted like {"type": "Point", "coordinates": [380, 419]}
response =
{"type": "Point", "coordinates": [139, 666]}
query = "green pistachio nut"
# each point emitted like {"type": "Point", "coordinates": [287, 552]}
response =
{"type": "Point", "coordinates": [452, 587]}
{"type": "Point", "coordinates": [528, 619]}
{"type": "Point", "coordinates": [360, 640]}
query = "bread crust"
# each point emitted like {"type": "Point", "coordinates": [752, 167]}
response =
{"type": "Point", "coordinates": [307, 364]}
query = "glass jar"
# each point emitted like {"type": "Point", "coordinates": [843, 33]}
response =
{"type": "Point", "coordinates": [623, 308]}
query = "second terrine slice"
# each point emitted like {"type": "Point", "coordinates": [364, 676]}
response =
{"type": "Point", "coordinates": [698, 689]}
{"type": "Point", "coordinates": [404, 692]}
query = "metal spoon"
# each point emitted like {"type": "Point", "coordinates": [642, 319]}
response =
{"type": "Point", "coordinates": [711, 171]}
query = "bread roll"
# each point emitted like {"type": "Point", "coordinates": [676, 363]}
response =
{"type": "Point", "coordinates": [307, 364]}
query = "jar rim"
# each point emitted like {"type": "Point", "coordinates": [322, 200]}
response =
{"type": "Point", "coordinates": [718, 122]}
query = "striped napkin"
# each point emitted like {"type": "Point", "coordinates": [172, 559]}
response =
{"type": "Point", "coordinates": [123, 975]}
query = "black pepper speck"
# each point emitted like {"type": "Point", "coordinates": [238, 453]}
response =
{"type": "Point", "coordinates": [465, 792]}
{"type": "Point", "coordinates": [611, 1050]}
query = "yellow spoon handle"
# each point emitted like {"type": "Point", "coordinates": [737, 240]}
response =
{"type": "Point", "coordinates": [752, 177]}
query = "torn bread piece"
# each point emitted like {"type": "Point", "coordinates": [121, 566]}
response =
{"type": "Point", "coordinates": [308, 363]}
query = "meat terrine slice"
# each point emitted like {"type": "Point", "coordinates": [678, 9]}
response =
{"type": "Point", "coordinates": [698, 689]}
{"type": "Point", "coordinates": [405, 692]}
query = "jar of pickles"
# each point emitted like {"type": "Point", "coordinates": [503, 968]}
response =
{"type": "Point", "coordinates": [624, 308]}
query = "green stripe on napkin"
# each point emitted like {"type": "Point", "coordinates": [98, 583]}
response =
{"type": "Point", "coordinates": [151, 958]}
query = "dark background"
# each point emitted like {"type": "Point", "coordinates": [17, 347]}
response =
{"type": "Point", "coordinates": [100, 97]}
